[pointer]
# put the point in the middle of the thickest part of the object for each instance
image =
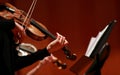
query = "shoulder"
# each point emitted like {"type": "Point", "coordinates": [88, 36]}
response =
{"type": "Point", "coordinates": [7, 24]}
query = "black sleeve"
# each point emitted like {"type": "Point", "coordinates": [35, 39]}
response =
{"type": "Point", "coordinates": [6, 24]}
{"type": "Point", "coordinates": [8, 52]}
{"type": "Point", "coordinates": [24, 61]}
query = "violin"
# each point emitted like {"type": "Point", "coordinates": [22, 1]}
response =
{"type": "Point", "coordinates": [36, 31]}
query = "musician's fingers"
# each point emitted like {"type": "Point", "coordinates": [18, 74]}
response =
{"type": "Point", "coordinates": [53, 57]}
{"type": "Point", "coordinates": [58, 36]}
{"type": "Point", "coordinates": [61, 39]}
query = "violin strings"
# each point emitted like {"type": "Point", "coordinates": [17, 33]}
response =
{"type": "Point", "coordinates": [32, 9]}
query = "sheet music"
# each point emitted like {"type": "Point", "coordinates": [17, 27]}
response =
{"type": "Point", "coordinates": [96, 45]}
{"type": "Point", "coordinates": [93, 42]}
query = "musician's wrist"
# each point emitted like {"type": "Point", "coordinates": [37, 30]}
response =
{"type": "Point", "coordinates": [48, 49]}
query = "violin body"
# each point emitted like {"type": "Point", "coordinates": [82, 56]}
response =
{"type": "Point", "coordinates": [32, 32]}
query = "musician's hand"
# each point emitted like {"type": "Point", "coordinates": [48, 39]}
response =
{"type": "Point", "coordinates": [57, 44]}
{"type": "Point", "coordinates": [41, 63]}
{"type": "Point", "coordinates": [48, 59]}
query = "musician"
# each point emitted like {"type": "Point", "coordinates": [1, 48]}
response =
{"type": "Point", "coordinates": [9, 59]}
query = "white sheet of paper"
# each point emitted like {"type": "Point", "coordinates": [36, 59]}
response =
{"type": "Point", "coordinates": [93, 42]}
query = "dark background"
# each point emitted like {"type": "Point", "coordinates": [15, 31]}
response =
{"type": "Point", "coordinates": [78, 21]}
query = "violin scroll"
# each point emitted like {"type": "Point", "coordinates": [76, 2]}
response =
{"type": "Point", "coordinates": [69, 54]}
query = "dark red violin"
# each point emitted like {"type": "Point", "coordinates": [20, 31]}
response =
{"type": "Point", "coordinates": [34, 30]}
{"type": "Point", "coordinates": [38, 31]}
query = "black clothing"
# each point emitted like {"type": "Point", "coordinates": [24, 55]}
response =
{"type": "Point", "coordinates": [9, 59]}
